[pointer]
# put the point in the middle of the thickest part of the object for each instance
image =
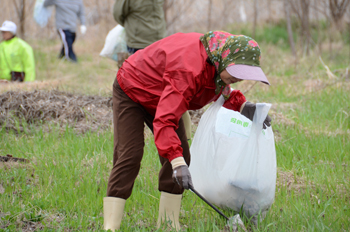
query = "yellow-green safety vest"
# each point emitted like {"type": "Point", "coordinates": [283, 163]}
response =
{"type": "Point", "coordinates": [16, 55]}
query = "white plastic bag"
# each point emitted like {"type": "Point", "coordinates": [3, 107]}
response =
{"type": "Point", "coordinates": [233, 160]}
{"type": "Point", "coordinates": [41, 13]}
{"type": "Point", "coordinates": [115, 43]}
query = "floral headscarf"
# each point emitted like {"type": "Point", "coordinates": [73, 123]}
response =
{"type": "Point", "coordinates": [225, 49]}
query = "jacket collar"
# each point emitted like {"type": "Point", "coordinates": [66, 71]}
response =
{"type": "Point", "coordinates": [9, 41]}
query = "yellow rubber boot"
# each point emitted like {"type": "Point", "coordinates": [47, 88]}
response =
{"type": "Point", "coordinates": [169, 209]}
{"type": "Point", "coordinates": [113, 209]}
{"type": "Point", "coordinates": [188, 124]}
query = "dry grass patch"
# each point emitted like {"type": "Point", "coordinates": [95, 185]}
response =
{"type": "Point", "coordinates": [283, 106]}
{"type": "Point", "coordinates": [277, 115]}
{"type": "Point", "coordinates": [293, 183]}
{"type": "Point", "coordinates": [331, 133]}
{"type": "Point", "coordinates": [11, 164]}
{"type": "Point", "coordinates": [310, 132]}
{"type": "Point", "coordinates": [83, 113]}
{"type": "Point", "coordinates": [298, 185]}
{"type": "Point", "coordinates": [313, 84]}
{"type": "Point", "coordinates": [31, 86]}
{"type": "Point", "coordinates": [280, 118]}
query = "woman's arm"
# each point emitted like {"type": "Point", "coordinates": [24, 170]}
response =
{"type": "Point", "coordinates": [235, 100]}
{"type": "Point", "coordinates": [173, 102]}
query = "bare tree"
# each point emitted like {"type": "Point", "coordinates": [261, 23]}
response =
{"type": "Point", "coordinates": [175, 9]}
{"type": "Point", "coordinates": [305, 25]}
{"type": "Point", "coordinates": [319, 37]}
{"type": "Point", "coordinates": [255, 17]}
{"type": "Point", "coordinates": [210, 5]}
{"type": "Point", "coordinates": [322, 7]}
{"type": "Point", "coordinates": [337, 10]}
{"type": "Point", "coordinates": [269, 10]}
{"type": "Point", "coordinates": [302, 9]}
{"type": "Point", "coordinates": [289, 27]}
{"type": "Point", "coordinates": [98, 10]}
{"type": "Point", "coordinates": [348, 23]}
{"type": "Point", "coordinates": [21, 13]}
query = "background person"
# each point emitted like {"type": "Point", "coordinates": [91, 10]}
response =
{"type": "Point", "coordinates": [67, 14]}
{"type": "Point", "coordinates": [143, 21]}
{"type": "Point", "coordinates": [156, 86]}
{"type": "Point", "coordinates": [16, 56]}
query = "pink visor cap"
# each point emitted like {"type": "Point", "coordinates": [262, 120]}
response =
{"type": "Point", "coordinates": [247, 72]}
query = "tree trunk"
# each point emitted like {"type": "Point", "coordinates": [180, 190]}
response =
{"type": "Point", "coordinates": [106, 9]}
{"type": "Point", "coordinates": [305, 24]}
{"type": "Point", "coordinates": [255, 17]}
{"type": "Point", "coordinates": [243, 15]}
{"type": "Point", "coordinates": [269, 10]}
{"type": "Point", "coordinates": [337, 9]}
{"type": "Point", "coordinates": [209, 14]}
{"type": "Point", "coordinates": [23, 15]}
{"type": "Point", "coordinates": [20, 9]}
{"type": "Point", "coordinates": [330, 29]}
{"type": "Point", "coordinates": [98, 11]}
{"type": "Point", "coordinates": [319, 38]}
{"type": "Point", "coordinates": [289, 28]}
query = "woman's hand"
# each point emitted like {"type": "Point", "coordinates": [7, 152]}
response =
{"type": "Point", "coordinates": [182, 176]}
{"type": "Point", "coordinates": [248, 110]}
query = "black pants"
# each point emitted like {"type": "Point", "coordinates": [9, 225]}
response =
{"type": "Point", "coordinates": [68, 39]}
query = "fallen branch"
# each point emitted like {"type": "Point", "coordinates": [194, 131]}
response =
{"type": "Point", "coordinates": [9, 158]}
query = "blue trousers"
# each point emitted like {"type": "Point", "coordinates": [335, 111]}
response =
{"type": "Point", "coordinates": [68, 39]}
{"type": "Point", "coordinates": [133, 50]}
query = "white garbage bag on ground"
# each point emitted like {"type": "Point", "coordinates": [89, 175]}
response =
{"type": "Point", "coordinates": [41, 13]}
{"type": "Point", "coordinates": [115, 43]}
{"type": "Point", "coordinates": [233, 160]}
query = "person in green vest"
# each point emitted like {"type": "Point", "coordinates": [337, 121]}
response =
{"type": "Point", "coordinates": [143, 20]}
{"type": "Point", "coordinates": [16, 56]}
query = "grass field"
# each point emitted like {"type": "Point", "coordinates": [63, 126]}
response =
{"type": "Point", "coordinates": [62, 187]}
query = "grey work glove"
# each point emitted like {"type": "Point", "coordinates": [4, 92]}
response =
{"type": "Point", "coordinates": [249, 110]}
{"type": "Point", "coordinates": [182, 176]}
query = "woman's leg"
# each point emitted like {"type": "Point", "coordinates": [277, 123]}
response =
{"type": "Point", "coordinates": [128, 119]}
{"type": "Point", "coordinates": [171, 193]}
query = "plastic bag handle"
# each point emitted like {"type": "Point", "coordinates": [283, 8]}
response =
{"type": "Point", "coordinates": [261, 112]}
{"type": "Point", "coordinates": [219, 102]}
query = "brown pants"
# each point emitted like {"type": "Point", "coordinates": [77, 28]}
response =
{"type": "Point", "coordinates": [129, 118]}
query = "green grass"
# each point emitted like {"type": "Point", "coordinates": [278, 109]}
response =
{"type": "Point", "coordinates": [63, 186]}
{"type": "Point", "coordinates": [65, 182]}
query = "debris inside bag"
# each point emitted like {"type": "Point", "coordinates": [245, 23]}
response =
{"type": "Point", "coordinates": [235, 223]}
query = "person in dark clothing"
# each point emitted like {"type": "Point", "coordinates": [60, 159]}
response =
{"type": "Point", "coordinates": [68, 39]}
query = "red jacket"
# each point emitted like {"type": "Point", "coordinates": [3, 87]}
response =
{"type": "Point", "coordinates": [168, 78]}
